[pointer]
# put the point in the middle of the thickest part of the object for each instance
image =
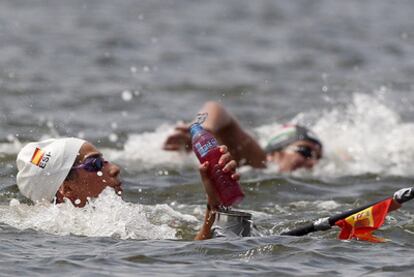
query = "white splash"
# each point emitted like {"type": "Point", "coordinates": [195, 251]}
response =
{"type": "Point", "coordinates": [145, 151]}
{"type": "Point", "coordinates": [106, 216]}
{"type": "Point", "coordinates": [363, 137]}
{"type": "Point", "coordinates": [11, 147]}
{"type": "Point", "coordinates": [319, 204]}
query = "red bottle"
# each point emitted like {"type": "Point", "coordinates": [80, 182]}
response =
{"type": "Point", "coordinates": [206, 148]}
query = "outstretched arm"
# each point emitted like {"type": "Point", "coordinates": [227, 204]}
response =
{"type": "Point", "coordinates": [213, 202]}
{"type": "Point", "coordinates": [226, 129]}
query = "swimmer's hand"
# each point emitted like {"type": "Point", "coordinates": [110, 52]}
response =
{"type": "Point", "coordinates": [227, 164]}
{"type": "Point", "coordinates": [180, 139]}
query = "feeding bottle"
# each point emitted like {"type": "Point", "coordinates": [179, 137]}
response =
{"type": "Point", "coordinates": [206, 148]}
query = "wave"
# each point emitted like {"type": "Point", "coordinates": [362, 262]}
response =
{"type": "Point", "coordinates": [364, 136]}
{"type": "Point", "coordinates": [106, 216]}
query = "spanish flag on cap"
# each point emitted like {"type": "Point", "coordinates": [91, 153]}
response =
{"type": "Point", "coordinates": [37, 156]}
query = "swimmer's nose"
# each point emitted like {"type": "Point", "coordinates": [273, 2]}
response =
{"type": "Point", "coordinates": [114, 170]}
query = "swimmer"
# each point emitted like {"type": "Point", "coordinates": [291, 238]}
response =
{"type": "Point", "coordinates": [292, 148]}
{"type": "Point", "coordinates": [74, 169]}
{"type": "Point", "coordinates": [70, 168]}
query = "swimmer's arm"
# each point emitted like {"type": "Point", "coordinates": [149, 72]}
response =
{"type": "Point", "coordinates": [205, 230]}
{"type": "Point", "coordinates": [228, 131]}
{"type": "Point", "coordinates": [228, 165]}
{"type": "Point", "coordinates": [212, 202]}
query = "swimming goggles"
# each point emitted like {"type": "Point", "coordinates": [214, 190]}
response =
{"type": "Point", "coordinates": [92, 164]}
{"type": "Point", "coordinates": [305, 151]}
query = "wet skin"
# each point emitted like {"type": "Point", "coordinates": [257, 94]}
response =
{"type": "Point", "coordinates": [83, 184]}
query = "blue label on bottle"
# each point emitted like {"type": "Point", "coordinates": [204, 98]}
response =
{"type": "Point", "coordinates": [203, 149]}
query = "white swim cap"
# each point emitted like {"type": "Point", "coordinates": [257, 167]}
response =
{"type": "Point", "coordinates": [44, 165]}
{"type": "Point", "coordinates": [288, 134]}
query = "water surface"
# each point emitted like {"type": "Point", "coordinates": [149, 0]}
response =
{"type": "Point", "coordinates": [121, 74]}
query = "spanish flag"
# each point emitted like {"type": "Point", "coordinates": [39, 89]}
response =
{"type": "Point", "coordinates": [37, 156]}
{"type": "Point", "coordinates": [362, 224]}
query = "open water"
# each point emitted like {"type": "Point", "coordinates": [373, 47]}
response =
{"type": "Point", "coordinates": [121, 73]}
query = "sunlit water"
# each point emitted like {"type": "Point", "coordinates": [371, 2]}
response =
{"type": "Point", "coordinates": [121, 74]}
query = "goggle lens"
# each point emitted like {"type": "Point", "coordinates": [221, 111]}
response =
{"type": "Point", "coordinates": [92, 164]}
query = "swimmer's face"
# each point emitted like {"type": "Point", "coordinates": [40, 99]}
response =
{"type": "Point", "coordinates": [300, 154]}
{"type": "Point", "coordinates": [83, 183]}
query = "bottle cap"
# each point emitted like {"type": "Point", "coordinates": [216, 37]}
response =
{"type": "Point", "coordinates": [195, 128]}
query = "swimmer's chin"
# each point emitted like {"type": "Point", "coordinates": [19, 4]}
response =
{"type": "Point", "coordinates": [118, 189]}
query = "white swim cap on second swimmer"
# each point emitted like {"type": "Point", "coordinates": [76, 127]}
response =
{"type": "Point", "coordinates": [44, 165]}
{"type": "Point", "coordinates": [288, 134]}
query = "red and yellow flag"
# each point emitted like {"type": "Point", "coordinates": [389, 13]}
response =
{"type": "Point", "coordinates": [37, 156]}
{"type": "Point", "coordinates": [362, 224]}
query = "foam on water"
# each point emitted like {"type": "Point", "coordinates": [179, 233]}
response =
{"type": "Point", "coordinates": [106, 216]}
{"type": "Point", "coordinates": [361, 137]}
{"type": "Point", "coordinates": [11, 147]}
{"type": "Point", "coordinates": [365, 136]}
{"type": "Point", "coordinates": [319, 205]}
{"type": "Point", "coordinates": [14, 145]}
{"type": "Point", "coordinates": [144, 151]}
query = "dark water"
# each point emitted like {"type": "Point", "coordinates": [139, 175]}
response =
{"type": "Point", "coordinates": [121, 73]}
